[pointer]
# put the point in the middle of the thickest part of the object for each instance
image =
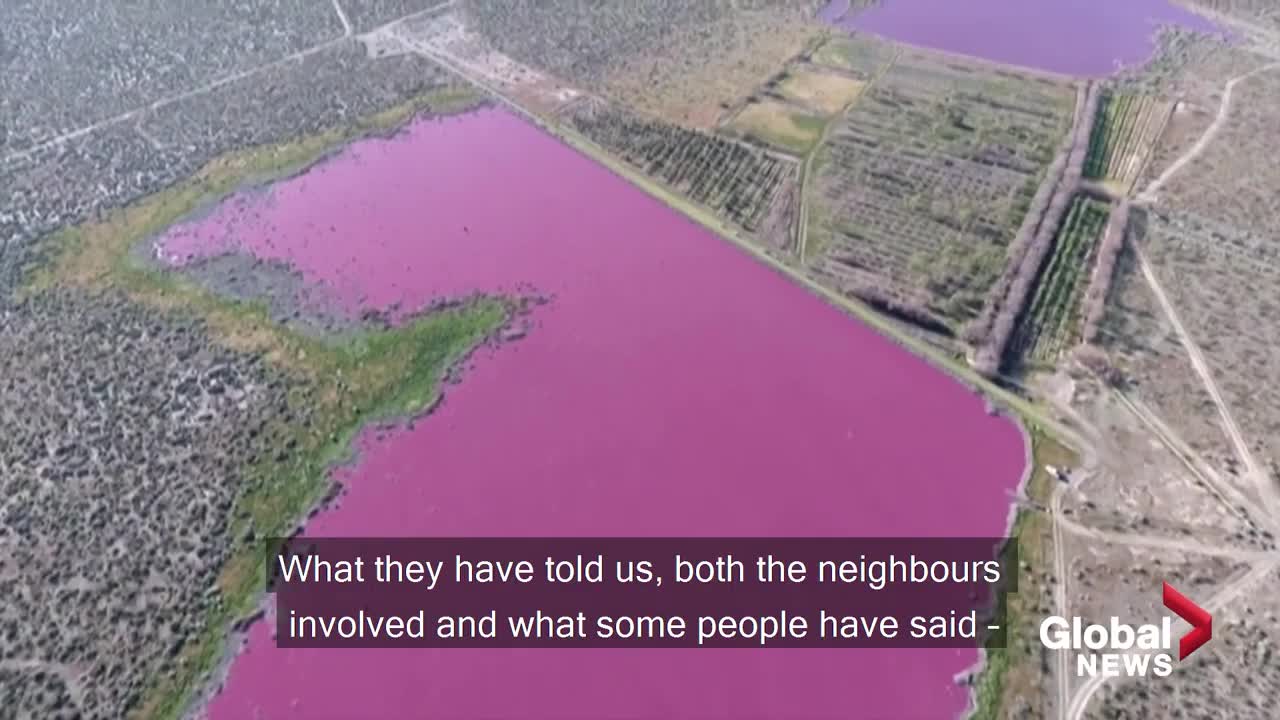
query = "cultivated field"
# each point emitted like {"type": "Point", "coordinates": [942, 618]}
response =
{"type": "Point", "coordinates": [792, 110]}
{"type": "Point", "coordinates": [1051, 322]}
{"type": "Point", "coordinates": [741, 183]}
{"type": "Point", "coordinates": [685, 62]}
{"type": "Point", "coordinates": [825, 91]}
{"type": "Point", "coordinates": [921, 187]}
{"type": "Point", "coordinates": [778, 124]}
{"type": "Point", "coordinates": [1125, 132]}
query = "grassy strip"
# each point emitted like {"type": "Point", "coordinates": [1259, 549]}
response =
{"type": "Point", "coordinates": [371, 377]}
{"type": "Point", "coordinates": [1009, 677]}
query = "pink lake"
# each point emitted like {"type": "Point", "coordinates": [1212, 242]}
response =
{"type": "Point", "coordinates": [1089, 38]}
{"type": "Point", "coordinates": [673, 386]}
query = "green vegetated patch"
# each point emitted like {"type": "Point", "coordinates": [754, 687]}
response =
{"type": "Point", "coordinates": [824, 92]}
{"type": "Point", "coordinates": [1011, 676]}
{"type": "Point", "coordinates": [1051, 323]}
{"type": "Point", "coordinates": [779, 125]}
{"type": "Point", "coordinates": [375, 375]}
{"type": "Point", "coordinates": [1125, 131]}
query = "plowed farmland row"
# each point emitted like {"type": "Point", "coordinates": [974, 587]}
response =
{"type": "Point", "coordinates": [1125, 131]}
{"type": "Point", "coordinates": [1051, 323]}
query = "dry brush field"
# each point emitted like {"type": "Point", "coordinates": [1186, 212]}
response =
{"type": "Point", "coordinates": [1189, 70]}
{"type": "Point", "coordinates": [1211, 241]}
{"type": "Point", "coordinates": [1142, 345]}
{"type": "Point", "coordinates": [1225, 285]}
{"type": "Point", "coordinates": [686, 62]}
{"type": "Point", "coordinates": [1236, 177]}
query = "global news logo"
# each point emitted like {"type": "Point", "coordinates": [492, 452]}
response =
{"type": "Point", "coordinates": [1121, 650]}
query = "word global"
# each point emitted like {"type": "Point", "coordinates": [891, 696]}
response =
{"type": "Point", "coordinates": [1058, 633]}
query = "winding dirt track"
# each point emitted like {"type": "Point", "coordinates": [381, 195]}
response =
{"type": "Point", "coordinates": [1269, 512]}
{"type": "Point", "coordinates": [1224, 109]}
{"type": "Point", "coordinates": [1267, 494]}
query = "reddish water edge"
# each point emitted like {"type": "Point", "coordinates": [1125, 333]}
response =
{"type": "Point", "coordinates": [673, 386]}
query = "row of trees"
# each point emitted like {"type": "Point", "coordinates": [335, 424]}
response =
{"type": "Point", "coordinates": [978, 330]}
{"type": "Point", "coordinates": [1095, 298]}
{"type": "Point", "coordinates": [886, 302]}
{"type": "Point", "coordinates": [1031, 248]}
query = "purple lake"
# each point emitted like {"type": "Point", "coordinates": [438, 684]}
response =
{"type": "Point", "coordinates": [1088, 38]}
{"type": "Point", "coordinates": [673, 386]}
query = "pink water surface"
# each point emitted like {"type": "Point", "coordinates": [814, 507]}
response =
{"type": "Point", "coordinates": [1090, 38]}
{"type": "Point", "coordinates": [673, 386]}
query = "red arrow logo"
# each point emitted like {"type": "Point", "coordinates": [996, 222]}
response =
{"type": "Point", "coordinates": [1201, 621]}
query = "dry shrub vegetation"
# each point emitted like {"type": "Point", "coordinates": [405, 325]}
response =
{"type": "Point", "coordinates": [1211, 241]}
{"type": "Point", "coordinates": [1236, 675]}
{"type": "Point", "coordinates": [686, 62]}
{"type": "Point", "coordinates": [1189, 69]}
{"type": "Point", "coordinates": [1141, 344]}
{"type": "Point", "coordinates": [1264, 13]}
{"type": "Point", "coordinates": [1225, 284]}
